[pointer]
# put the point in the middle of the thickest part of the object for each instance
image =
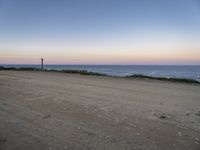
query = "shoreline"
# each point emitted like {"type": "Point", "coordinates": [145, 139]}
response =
{"type": "Point", "coordinates": [85, 72]}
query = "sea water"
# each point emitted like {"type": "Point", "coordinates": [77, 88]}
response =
{"type": "Point", "coordinates": [188, 72]}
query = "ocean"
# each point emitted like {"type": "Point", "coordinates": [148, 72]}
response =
{"type": "Point", "coordinates": [188, 72]}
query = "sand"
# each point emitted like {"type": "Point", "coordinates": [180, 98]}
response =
{"type": "Point", "coordinates": [46, 110]}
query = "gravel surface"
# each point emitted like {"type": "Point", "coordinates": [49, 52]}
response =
{"type": "Point", "coordinates": [55, 111]}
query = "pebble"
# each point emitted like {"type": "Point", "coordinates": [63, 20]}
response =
{"type": "Point", "coordinates": [185, 128]}
{"type": "Point", "coordinates": [198, 113]}
{"type": "Point", "coordinates": [197, 139]}
{"type": "Point", "coordinates": [163, 116]}
{"type": "Point", "coordinates": [138, 134]}
{"type": "Point", "coordinates": [179, 134]}
{"type": "Point", "coordinates": [65, 147]}
{"type": "Point", "coordinates": [153, 113]}
{"type": "Point", "coordinates": [47, 116]}
{"type": "Point", "coordinates": [130, 124]}
{"type": "Point", "coordinates": [187, 113]}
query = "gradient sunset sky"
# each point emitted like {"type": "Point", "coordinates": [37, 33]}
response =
{"type": "Point", "coordinates": [100, 32]}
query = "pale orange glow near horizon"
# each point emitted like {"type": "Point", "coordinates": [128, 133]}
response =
{"type": "Point", "coordinates": [118, 57]}
{"type": "Point", "coordinates": [129, 50]}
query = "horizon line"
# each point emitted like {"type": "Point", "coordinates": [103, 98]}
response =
{"type": "Point", "coordinates": [110, 64]}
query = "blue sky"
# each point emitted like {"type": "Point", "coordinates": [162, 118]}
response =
{"type": "Point", "coordinates": [100, 31]}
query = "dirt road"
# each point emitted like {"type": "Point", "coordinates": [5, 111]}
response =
{"type": "Point", "coordinates": [47, 111]}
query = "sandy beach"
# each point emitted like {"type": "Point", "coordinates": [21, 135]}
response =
{"type": "Point", "coordinates": [54, 111]}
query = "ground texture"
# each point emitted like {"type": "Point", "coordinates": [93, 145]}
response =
{"type": "Point", "coordinates": [47, 111]}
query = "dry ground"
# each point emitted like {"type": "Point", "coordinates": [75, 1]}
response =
{"type": "Point", "coordinates": [45, 110]}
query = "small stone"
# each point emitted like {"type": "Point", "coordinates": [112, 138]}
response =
{"type": "Point", "coordinates": [47, 116]}
{"type": "Point", "coordinates": [65, 147]}
{"type": "Point", "coordinates": [128, 128]}
{"type": "Point", "coordinates": [197, 139]}
{"type": "Point", "coordinates": [179, 134]}
{"type": "Point", "coordinates": [197, 143]}
{"type": "Point", "coordinates": [137, 134]}
{"type": "Point", "coordinates": [163, 116]}
{"type": "Point", "coordinates": [185, 128]}
{"type": "Point", "coordinates": [130, 124]}
{"type": "Point", "coordinates": [153, 113]}
{"type": "Point", "coordinates": [187, 113]}
{"type": "Point", "coordinates": [198, 113]}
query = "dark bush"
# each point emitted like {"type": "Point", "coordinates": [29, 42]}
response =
{"type": "Point", "coordinates": [163, 78]}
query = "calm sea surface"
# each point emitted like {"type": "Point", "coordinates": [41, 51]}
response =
{"type": "Point", "coordinates": [190, 72]}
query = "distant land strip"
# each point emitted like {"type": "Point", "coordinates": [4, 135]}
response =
{"type": "Point", "coordinates": [85, 72]}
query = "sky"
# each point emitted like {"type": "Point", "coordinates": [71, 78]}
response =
{"type": "Point", "coordinates": [123, 32]}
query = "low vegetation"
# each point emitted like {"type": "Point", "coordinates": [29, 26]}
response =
{"type": "Point", "coordinates": [20, 69]}
{"type": "Point", "coordinates": [82, 72]}
{"type": "Point", "coordinates": [139, 76]}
